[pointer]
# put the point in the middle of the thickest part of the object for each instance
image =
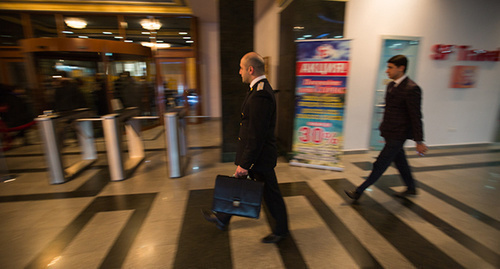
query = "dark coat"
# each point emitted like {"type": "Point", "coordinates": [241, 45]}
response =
{"type": "Point", "coordinates": [256, 142]}
{"type": "Point", "coordinates": [68, 96]}
{"type": "Point", "coordinates": [17, 110]}
{"type": "Point", "coordinates": [402, 116]}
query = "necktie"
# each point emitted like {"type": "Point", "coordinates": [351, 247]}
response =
{"type": "Point", "coordinates": [390, 86]}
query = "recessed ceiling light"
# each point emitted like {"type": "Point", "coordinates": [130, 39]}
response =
{"type": "Point", "coordinates": [76, 23]}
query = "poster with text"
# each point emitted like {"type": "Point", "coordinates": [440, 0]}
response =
{"type": "Point", "coordinates": [322, 70]}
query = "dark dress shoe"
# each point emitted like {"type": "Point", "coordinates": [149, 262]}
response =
{"type": "Point", "coordinates": [272, 238]}
{"type": "Point", "coordinates": [212, 217]}
{"type": "Point", "coordinates": [353, 195]}
{"type": "Point", "coordinates": [408, 192]}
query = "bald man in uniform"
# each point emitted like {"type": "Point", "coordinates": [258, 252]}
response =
{"type": "Point", "coordinates": [256, 153]}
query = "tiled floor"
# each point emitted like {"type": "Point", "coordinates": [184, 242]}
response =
{"type": "Point", "coordinates": [152, 221]}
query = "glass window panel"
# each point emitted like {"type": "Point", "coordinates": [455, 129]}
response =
{"type": "Point", "coordinates": [11, 30]}
{"type": "Point", "coordinates": [175, 31]}
{"type": "Point", "coordinates": [317, 19]}
{"type": "Point", "coordinates": [97, 27]}
{"type": "Point", "coordinates": [44, 25]}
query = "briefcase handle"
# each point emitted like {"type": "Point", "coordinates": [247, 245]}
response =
{"type": "Point", "coordinates": [248, 177]}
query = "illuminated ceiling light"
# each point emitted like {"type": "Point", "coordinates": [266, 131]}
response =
{"type": "Point", "coordinates": [145, 33]}
{"type": "Point", "coordinates": [67, 32]}
{"type": "Point", "coordinates": [151, 45]}
{"type": "Point", "coordinates": [159, 41]}
{"type": "Point", "coordinates": [82, 36]}
{"type": "Point", "coordinates": [76, 23]}
{"type": "Point", "coordinates": [107, 33]}
{"type": "Point", "coordinates": [151, 24]}
{"type": "Point", "coordinates": [128, 41]}
{"type": "Point", "coordinates": [183, 33]}
{"type": "Point", "coordinates": [118, 37]}
{"type": "Point", "coordinates": [189, 41]}
{"type": "Point", "coordinates": [186, 37]}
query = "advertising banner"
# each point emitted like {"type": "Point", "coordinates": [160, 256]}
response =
{"type": "Point", "coordinates": [322, 70]}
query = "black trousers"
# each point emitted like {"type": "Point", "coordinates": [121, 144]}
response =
{"type": "Point", "coordinates": [273, 200]}
{"type": "Point", "coordinates": [392, 152]}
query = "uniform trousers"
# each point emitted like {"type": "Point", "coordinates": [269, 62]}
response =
{"type": "Point", "coordinates": [272, 199]}
{"type": "Point", "coordinates": [392, 152]}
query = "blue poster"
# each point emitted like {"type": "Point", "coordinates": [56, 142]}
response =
{"type": "Point", "coordinates": [322, 70]}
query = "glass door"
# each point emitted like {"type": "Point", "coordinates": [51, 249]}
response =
{"type": "Point", "coordinates": [173, 75]}
{"type": "Point", "coordinates": [391, 46]}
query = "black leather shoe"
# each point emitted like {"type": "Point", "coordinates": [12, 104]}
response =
{"type": "Point", "coordinates": [272, 238]}
{"type": "Point", "coordinates": [212, 217]}
{"type": "Point", "coordinates": [353, 195]}
{"type": "Point", "coordinates": [408, 192]}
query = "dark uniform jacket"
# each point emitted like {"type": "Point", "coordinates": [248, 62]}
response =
{"type": "Point", "coordinates": [402, 116]}
{"type": "Point", "coordinates": [256, 142]}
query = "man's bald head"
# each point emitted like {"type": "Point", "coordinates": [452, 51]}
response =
{"type": "Point", "coordinates": [256, 61]}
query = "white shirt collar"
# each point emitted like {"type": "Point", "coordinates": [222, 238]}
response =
{"type": "Point", "coordinates": [257, 79]}
{"type": "Point", "coordinates": [399, 80]}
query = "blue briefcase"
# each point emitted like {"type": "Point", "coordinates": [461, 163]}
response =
{"type": "Point", "coordinates": [237, 196]}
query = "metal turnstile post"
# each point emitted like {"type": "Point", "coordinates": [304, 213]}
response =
{"type": "Point", "coordinates": [119, 166]}
{"type": "Point", "coordinates": [175, 141]}
{"type": "Point", "coordinates": [51, 148]}
{"type": "Point", "coordinates": [4, 170]}
{"type": "Point", "coordinates": [52, 144]}
{"type": "Point", "coordinates": [112, 137]}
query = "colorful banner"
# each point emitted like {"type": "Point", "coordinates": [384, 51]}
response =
{"type": "Point", "coordinates": [322, 71]}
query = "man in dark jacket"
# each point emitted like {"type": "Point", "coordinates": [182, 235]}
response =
{"type": "Point", "coordinates": [402, 120]}
{"type": "Point", "coordinates": [256, 153]}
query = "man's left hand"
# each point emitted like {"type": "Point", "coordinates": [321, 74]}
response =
{"type": "Point", "coordinates": [240, 172]}
{"type": "Point", "coordinates": [421, 149]}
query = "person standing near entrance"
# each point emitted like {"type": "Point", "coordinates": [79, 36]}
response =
{"type": "Point", "coordinates": [256, 154]}
{"type": "Point", "coordinates": [402, 120]}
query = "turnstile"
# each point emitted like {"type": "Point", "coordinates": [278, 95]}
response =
{"type": "Point", "coordinates": [52, 128]}
{"type": "Point", "coordinates": [120, 167]}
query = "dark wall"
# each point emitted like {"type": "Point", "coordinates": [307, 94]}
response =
{"type": "Point", "coordinates": [318, 18]}
{"type": "Point", "coordinates": [236, 39]}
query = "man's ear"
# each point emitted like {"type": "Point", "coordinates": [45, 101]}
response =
{"type": "Point", "coordinates": [250, 70]}
{"type": "Point", "coordinates": [402, 68]}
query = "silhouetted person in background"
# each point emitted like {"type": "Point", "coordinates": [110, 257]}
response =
{"type": "Point", "coordinates": [14, 111]}
{"type": "Point", "coordinates": [67, 94]}
{"type": "Point", "coordinates": [99, 94]}
{"type": "Point", "coordinates": [126, 90]}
